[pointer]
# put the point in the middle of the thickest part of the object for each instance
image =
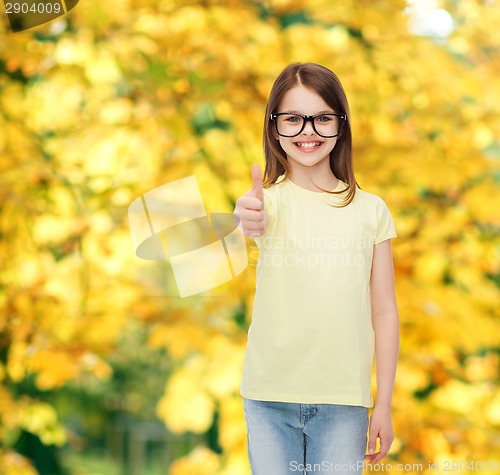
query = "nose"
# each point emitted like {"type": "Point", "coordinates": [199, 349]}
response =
{"type": "Point", "coordinates": [308, 127]}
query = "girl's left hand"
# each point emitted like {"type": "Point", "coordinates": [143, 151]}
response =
{"type": "Point", "coordinates": [381, 427]}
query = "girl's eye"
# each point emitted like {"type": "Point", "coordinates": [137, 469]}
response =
{"type": "Point", "coordinates": [323, 118]}
{"type": "Point", "coordinates": [293, 118]}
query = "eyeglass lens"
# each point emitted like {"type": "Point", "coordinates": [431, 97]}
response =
{"type": "Point", "coordinates": [291, 124]}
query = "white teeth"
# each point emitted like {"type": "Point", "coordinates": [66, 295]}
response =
{"type": "Point", "coordinates": [309, 145]}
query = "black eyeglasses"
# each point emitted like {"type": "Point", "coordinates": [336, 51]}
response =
{"type": "Point", "coordinates": [325, 125]}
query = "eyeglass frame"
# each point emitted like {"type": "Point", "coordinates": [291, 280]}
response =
{"type": "Point", "coordinates": [308, 118]}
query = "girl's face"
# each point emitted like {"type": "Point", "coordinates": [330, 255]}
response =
{"type": "Point", "coordinates": [305, 101]}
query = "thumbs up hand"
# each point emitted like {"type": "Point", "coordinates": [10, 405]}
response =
{"type": "Point", "coordinates": [257, 187]}
{"type": "Point", "coordinates": [250, 207]}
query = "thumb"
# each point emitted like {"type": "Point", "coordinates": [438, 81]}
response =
{"type": "Point", "coordinates": [257, 188]}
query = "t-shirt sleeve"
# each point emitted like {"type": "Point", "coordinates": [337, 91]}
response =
{"type": "Point", "coordinates": [385, 223]}
{"type": "Point", "coordinates": [269, 203]}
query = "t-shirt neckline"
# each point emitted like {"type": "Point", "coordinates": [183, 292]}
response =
{"type": "Point", "coordinates": [319, 193]}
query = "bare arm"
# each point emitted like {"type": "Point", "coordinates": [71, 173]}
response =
{"type": "Point", "coordinates": [385, 320]}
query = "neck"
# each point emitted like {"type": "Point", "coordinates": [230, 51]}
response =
{"type": "Point", "coordinates": [307, 178]}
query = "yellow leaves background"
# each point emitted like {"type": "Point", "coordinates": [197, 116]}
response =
{"type": "Point", "coordinates": [118, 98]}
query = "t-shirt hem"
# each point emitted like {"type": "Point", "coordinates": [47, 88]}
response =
{"type": "Point", "coordinates": [306, 399]}
{"type": "Point", "coordinates": [384, 238]}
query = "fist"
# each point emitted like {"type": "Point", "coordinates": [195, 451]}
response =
{"type": "Point", "coordinates": [250, 207]}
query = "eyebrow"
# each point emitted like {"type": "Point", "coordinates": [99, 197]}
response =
{"type": "Point", "coordinates": [320, 112]}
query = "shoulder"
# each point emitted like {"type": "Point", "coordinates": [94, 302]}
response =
{"type": "Point", "coordinates": [272, 191]}
{"type": "Point", "coordinates": [373, 205]}
{"type": "Point", "coordinates": [273, 198]}
{"type": "Point", "coordinates": [273, 188]}
{"type": "Point", "coordinates": [368, 198]}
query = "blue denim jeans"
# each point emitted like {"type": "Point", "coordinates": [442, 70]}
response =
{"type": "Point", "coordinates": [305, 439]}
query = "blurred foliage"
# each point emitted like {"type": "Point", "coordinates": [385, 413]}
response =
{"type": "Point", "coordinates": [117, 98]}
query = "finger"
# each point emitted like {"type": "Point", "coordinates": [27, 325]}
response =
{"type": "Point", "coordinates": [253, 223]}
{"type": "Point", "coordinates": [384, 450]}
{"type": "Point", "coordinates": [257, 188]}
{"type": "Point", "coordinates": [385, 445]}
{"type": "Point", "coordinates": [248, 214]}
{"type": "Point", "coordinates": [377, 457]}
{"type": "Point", "coordinates": [372, 443]}
{"type": "Point", "coordinates": [369, 458]}
{"type": "Point", "coordinates": [252, 220]}
{"type": "Point", "coordinates": [251, 203]}
{"type": "Point", "coordinates": [250, 229]}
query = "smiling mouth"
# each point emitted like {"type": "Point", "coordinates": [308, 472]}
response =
{"type": "Point", "coordinates": [308, 145]}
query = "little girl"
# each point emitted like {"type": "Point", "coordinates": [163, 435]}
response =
{"type": "Point", "coordinates": [325, 300]}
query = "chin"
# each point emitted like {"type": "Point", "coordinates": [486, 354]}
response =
{"type": "Point", "coordinates": [305, 162]}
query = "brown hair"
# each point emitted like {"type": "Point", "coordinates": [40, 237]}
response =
{"type": "Point", "coordinates": [328, 86]}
